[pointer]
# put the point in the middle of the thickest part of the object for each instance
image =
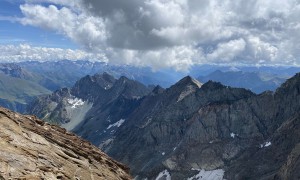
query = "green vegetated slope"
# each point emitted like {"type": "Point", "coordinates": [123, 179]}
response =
{"type": "Point", "coordinates": [19, 90]}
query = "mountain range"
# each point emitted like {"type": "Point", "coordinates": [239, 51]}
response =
{"type": "Point", "coordinates": [189, 130]}
{"type": "Point", "coordinates": [22, 82]}
{"type": "Point", "coordinates": [257, 82]}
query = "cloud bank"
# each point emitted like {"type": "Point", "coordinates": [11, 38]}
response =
{"type": "Point", "coordinates": [175, 33]}
{"type": "Point", "coordinates": [25, 52]}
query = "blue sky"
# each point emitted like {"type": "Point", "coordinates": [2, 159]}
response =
{"type": "Point", "coordinates": [12, 32]}
{"type": "Point", "coordinates": [176, 34]}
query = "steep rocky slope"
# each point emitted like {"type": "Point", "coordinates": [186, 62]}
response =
{"type": "Point", "coordinates": [33, 149]}
{"type": "Point", "coordinates": [180, 127]}
{"type": "Point", "coordinates": [214, 128]}
{"type": "Point", "coordinates": [91, 105]}
{"type": "Point", "coordinates": [194, 130]}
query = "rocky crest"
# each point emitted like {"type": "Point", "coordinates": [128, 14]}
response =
{"type": "Point", "coordinates": [94, 103]}
{"type": "Point", "coordinates": [213, 129]}
{"type": "Point", "coordinates": [33, 149]}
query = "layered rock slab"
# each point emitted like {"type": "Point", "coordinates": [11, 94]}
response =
{"type": "Point", "coordinates": [33, 149]}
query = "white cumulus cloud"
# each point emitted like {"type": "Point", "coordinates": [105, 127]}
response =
{"type": "Point", "coordinates": [175, 33]}
{"type": "Point", "coordinates": [25, 52]}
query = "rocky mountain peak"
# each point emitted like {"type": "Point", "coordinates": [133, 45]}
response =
{"type": "Point", "coordinates": [104, 77]}
{"type": "Point", "coordinates": [157, 90]}
{"type": "Point", "coordinates": [58, 95]}
{"type": "Point", "coordinates": [123, 78]}
{"type": "Point", "coordinates": [188, 80]}
{"type": "Point", "coordinates": [184, 87]}
{"type": "Point", "coordinates": [292, 84]}
{"type": "Point", "coordinates": [89, 86]}
{"type": "Point", "coordinates": [33, 149]}
{"type": "Point", "coordinates": [129, 88]}
{"type": "Point", "coordinates": [212, 85]}
{"type": "Point", "coordinates": [210, 128]}
{"type": "Point", "coordinates": [108, 77]}
{"type": "Point", "coordinates": [104, 80]}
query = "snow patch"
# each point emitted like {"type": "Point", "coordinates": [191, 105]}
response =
{"type": "Point", "coordinates": [76, 102]}
{"type": "Point", "coordinates": [174, 148]}
{"type": "Point", "coordinates": [107, 87]}
{"type": "Point", "coordinates": [163, 153]}
{"type": "Point", "coordinates": [116, 124]}
{"type": "Point", "coordinates": [75, 112]}
{"type": "Point", "coordinates": [164, 175]}
{"type": "Point", "coordinates": [266, 144]}
{"type": "Point", "coordinates": [208, 175]}
{"type": "Point", "coordinates": [232, 135]}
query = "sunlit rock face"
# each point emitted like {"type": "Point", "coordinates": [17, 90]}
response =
{"type": "Point", "coordinates": [33, 149]}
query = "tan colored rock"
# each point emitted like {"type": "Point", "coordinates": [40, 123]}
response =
{"type": "Point", "coordinates": [33, 149]}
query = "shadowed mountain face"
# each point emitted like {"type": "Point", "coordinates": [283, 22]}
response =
{"type": "Point", "coordinates": [192, 129]}
{"type": "Point", "coordinates": [215, 127]}
{"type": "Point", "coordinates": [33, 149]}
{"type": "Point", "coordinates": [100, 99]}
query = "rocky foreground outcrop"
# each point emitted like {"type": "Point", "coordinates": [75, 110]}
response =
{"type": "Point", "coordinates": [33, 149]}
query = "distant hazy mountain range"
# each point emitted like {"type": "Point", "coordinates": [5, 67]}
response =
{"type": "Point", "coordinates": [257, 82]}
{"type": "Point", "coordinates": [22, 82]}
{"type": "Point", "coordinates": [65, 73]}
{"type": "Point", "coordinates": [188, 130]}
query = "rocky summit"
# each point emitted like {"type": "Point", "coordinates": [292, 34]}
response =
{"type": "Point", "coordinates": [191, 130]}
{"type": "Point", "coordinates": [214, 131]}
{"type": "Point", "coordinates": [91, 105]}
{"type": "Point", "coordinates": [33, 149]}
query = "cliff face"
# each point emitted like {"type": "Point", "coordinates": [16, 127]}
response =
{"type": "Point", "coordinates": [191, 129]}
{"type": "Point", "coordinates": [94, 103]}
{"type": "Point", "coordinates": [212, 128]}
{"type": "Point", "coordinates": [187, 126]}
{"type": "Point", "coordinates": [33, 149]}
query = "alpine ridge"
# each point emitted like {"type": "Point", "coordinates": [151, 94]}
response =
{"type": "Point", "coordinates": [99, 99]}
{"type": "Point", "coordinates": [192, 129]}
